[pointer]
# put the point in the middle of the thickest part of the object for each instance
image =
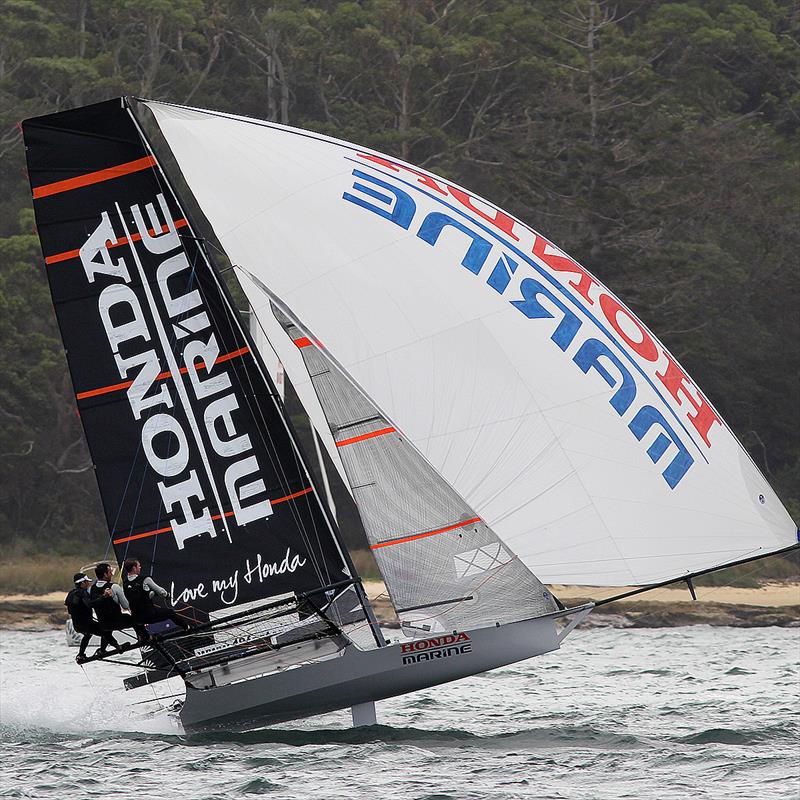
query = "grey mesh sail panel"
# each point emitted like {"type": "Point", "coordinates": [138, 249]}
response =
{"type": "Point", "coordinates": [443, 567]}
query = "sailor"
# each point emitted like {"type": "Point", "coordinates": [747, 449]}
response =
{"type": "Point", "coordinates": [79, 607]}
{"type": "Point", "coordinates": [107, 599]}
{"type": "Point", "coordinates": [140, 592]}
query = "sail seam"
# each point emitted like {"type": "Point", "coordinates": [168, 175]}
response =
{"type": "Point", "coordinates": [215, 517]}
{"type": "Point", "coordinates": [115, 387]}
{"type": "Point", "coordinates": [415, 536]}
{"type": "Point", "coordinates": [68, 255]}
{"type": "Point", "coordinates": [363, 436]}
{"type": "Point", "coordinates": [99, 176]}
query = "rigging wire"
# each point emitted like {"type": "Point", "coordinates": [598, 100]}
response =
{"type": "Point", "coordinates": [236, 323]}
{"type": "Point", "coordinates": [271, 449]}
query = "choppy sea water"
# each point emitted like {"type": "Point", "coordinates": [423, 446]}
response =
{"type": "Point", "coordinates": [673, 713]}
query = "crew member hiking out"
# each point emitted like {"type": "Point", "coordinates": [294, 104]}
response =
{"type": "Point", "coordinates": [79, 606]}
{"type": "Point", "coordinates": [108, 600]}
{"type": "Point", "coordinates": [140, 591]}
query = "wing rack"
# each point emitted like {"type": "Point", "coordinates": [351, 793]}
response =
{"type": "Point", "coordinates": [265, 628]}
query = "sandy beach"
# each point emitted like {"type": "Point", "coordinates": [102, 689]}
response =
{"type": "Point", "coordinates": [772, 595]}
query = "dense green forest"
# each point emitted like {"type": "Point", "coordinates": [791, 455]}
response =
{"type": "Point", "coordinates": [656, 142]}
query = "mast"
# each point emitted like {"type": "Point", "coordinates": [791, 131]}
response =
{"type": "Point", "coordinates": [273, 393]}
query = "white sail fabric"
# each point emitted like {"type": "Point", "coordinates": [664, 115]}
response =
{"type": "Point", "coordinates": [443, 567]}
{"type": "Point", "coordinates": [548, 406]}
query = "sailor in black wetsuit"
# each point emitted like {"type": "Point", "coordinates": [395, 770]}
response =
{"type": "Point", "coordinates": [78, 605]}
{"type": "Point", "coordinates": [108, 600]}
{"type": "Point", "coordinates": [140, 591]}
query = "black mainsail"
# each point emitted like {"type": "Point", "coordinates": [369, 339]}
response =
{"type": "Point", "coordinates": [198, 472]}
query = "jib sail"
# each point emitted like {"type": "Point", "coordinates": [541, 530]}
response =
{"type": "Point", "coordinates": [443, 566]}
{"type": "Point", "coordinates": [198, 472]}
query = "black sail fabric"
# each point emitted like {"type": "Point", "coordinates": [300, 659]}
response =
{"type": "Point", "coordinates": [198, 472]}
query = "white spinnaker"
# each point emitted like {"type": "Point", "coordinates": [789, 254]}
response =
{"type": "Point", "coordinates": [547, 418]}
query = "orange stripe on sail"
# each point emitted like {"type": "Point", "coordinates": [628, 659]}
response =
{"type": "Point", "coordinates": [116, 387]}
{"type": "Point", "coordinates": [303, 341]}
{"type": "Point", "coordinates": [228, 356]}
{"type": "Point", "coordinates": [70, 254]}
{"type": "Point", "coordinates": [94, 177]}
{"type": "Point", "coordinates": [292, 496]}
{"type": "Point", "coordinates": [215, 517]}
{"type": "Point", "coordinates": [65, 256]}
{"type": "Point", "coordinates": [143, 535]}
{"type": "Point", "coordinates": [372, 435]}
{"type": "Point", "coordinates": [427, 533]}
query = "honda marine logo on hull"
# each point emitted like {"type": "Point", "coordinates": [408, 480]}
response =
{"type": "Point", "coordinates": [453, 644]}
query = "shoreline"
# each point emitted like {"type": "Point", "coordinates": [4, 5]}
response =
{"type": "Point", "coordinates": [773, 604]}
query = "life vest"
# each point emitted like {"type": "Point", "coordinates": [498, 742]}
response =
{"type": "Point", "coordinates": [138, 596]}
{"type": "Point", "coordinates": [107, 609]}
{"type": "Point", "coordinates": [78, 607]}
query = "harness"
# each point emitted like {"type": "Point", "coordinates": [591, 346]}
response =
{"type": "Point", "coordinates": [78, 607]}
{"type": "Point", "coordinates": [139, 598]}
{"type": "Point", "coordinates": [106, 608]}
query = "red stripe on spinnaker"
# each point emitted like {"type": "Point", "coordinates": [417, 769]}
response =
{"type": "Point", "coordinates": [94, 177]}
{"type": "Point", "coordinates": [215, 517]}
{"type": "Point", "coordinates": [116, 387]}
{"type": "Point", "coordinates": [70, 254]}
{"type": "Point", "coordinates": [372, 435]}
{"type": "Point", "coordinates": [427, 533]}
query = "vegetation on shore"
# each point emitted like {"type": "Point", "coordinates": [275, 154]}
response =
{"type": "Point", "coordinates": [42, 573]}
{"type": "Point", "coordinates": [656, 142]}
{"type": "Point", "coordinates": [52, 572]}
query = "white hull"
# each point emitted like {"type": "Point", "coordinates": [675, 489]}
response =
{"type": "Point", "coordinates": [352, 677]}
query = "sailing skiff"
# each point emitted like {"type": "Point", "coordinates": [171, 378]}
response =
{"type": "Point", "coordinates": [501, 419]}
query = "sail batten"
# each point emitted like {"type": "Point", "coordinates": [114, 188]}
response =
{"type": "Point", "coordinates": [527, 384]}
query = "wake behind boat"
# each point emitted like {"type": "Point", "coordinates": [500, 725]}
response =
{"type": "Point", "coordinates": [500, 418]}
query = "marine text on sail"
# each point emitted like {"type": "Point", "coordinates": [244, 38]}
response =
{"type": "Point", "coordinates": [587, 323]}
{"type": "Point", "coordinates": [156, 318]}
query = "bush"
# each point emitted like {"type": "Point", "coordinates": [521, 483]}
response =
{"type": "Point", "coordinates": [40, 574]}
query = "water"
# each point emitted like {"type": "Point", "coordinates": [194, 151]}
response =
{"type": "Point", "coordinates": [679, 713]}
